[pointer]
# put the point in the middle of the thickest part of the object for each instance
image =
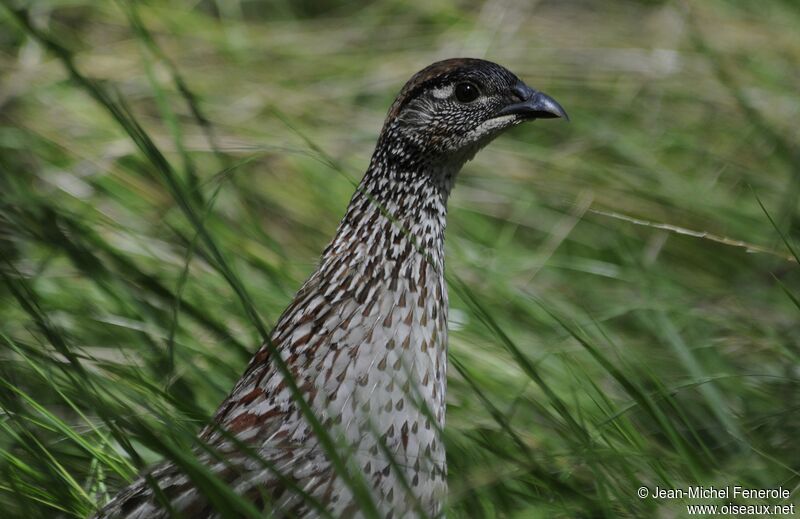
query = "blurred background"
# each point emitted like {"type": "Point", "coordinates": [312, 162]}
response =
{"type": "Point", "coordinates": [625, 289]}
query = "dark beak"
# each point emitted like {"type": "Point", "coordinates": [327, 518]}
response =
{"type": "Point", "coordinates": [534, 105]}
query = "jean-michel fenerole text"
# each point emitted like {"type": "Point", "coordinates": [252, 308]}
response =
{"type": "Point", "coordinates": [721, 492]}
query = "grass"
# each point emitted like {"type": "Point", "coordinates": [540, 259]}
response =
{"type": "Point", "coordinates": [624, 288]}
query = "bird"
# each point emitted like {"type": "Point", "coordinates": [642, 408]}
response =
{"type": "Point", "coordinates": [361, 351]}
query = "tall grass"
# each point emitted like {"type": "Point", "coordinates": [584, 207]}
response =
{"type": "Point", "coordinates": [624, 289]}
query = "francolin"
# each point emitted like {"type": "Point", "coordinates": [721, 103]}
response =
{"type": "Point", "coordinates": [365, 338]}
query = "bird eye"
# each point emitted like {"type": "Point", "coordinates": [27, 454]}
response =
{"type": "Point", "coordinates": [466, 92]}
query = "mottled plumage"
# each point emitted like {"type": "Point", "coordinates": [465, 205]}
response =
{"type": "Point", "coordinates": [366, 335]}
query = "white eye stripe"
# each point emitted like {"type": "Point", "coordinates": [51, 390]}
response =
{"type": "Point", "coordinates": [443, 92]}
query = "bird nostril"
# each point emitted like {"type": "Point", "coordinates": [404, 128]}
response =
{"type": "Point", "coordinates": [522, 91]}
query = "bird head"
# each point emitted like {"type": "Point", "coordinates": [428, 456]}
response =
{"type": "Point", "coordinates": [451, 109]}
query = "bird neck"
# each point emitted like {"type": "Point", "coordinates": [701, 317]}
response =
{"type": "Point", "coordinates": [400, 206]}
